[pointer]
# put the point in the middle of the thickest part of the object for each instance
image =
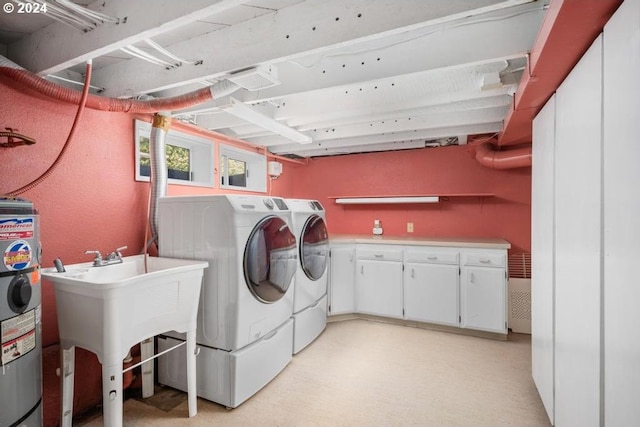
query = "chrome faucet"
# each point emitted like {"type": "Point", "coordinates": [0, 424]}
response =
{"type": "Point", "coordinates": [114, 257]}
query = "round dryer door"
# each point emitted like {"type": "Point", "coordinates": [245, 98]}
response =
{"type": "Point", "coordinates": [270, 259]}
{"type": "Point", "coordinates": [314, 247]}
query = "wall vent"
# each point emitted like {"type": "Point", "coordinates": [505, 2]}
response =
{"type": "Point", "coordinates": [255, 78]}
{"type": "Point", "coordinates": [520, 293]}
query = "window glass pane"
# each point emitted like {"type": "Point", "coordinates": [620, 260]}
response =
{"type": "Point", "coordinates": [237, 172]}
{"type": "Point", "coordinates": [223, 169]}
{"type": "Point", "coordinates": [145, 161]}
{"type": "Point", "coordinates": [178, 162]}
{"type": "Point", "coordinates": [144, 145]}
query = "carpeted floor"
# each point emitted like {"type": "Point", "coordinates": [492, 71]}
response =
{"type": "Point", "coordinates": [367, 373]}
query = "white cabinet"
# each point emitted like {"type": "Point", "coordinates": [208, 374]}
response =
{"type": "Point", "coordinates": [342, 279]}
{"type": "Point", "coordinates": [431, 285]}
{"type": "Point", "coordinates": [621, 229]}
{"type": "Point", "coordinates": [459, 285]}
{"type": "Point", "coordinates": [483, 293]}
{"type": "Point", "coordinates": [379, 280]}
{"type": "Point", "coordinates": [542, 254]}
{"type": "Point", "coordinates": [578, 243]}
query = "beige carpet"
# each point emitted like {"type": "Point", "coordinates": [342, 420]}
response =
{"type": "Point", "coordinates": [366, 373]}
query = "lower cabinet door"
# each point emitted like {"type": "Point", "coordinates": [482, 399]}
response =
{"type": "Point", "coordinates": [431, 293]}
{"type": "Point", "coordinates": [379, 287]}
{"type": "Point", "coordinates": [342, 280]}
{"type": "Point", "coordinates": [483, 299]}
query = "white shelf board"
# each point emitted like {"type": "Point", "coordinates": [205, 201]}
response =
{"type": "Point", "coordinates": [379, 200]}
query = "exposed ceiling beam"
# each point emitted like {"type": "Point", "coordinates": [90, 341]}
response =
{"type": "Point", "coordinates": [280, 36]}
{"type": "Point", "coordinates": [432, 121]}
{"type": "Point", "coordinates": [357, 143]}
{"type": "Point", "coordinates": [436, 104]}
{"type": "Point", "coordinates": [415, 51]}
{"type": "Point", "coordinates": [42, 52]}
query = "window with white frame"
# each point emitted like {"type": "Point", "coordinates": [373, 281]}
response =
{"type": "Point", "coordinates": [189, 157]}
{"type": "Point", "coordinates": [242, 169]}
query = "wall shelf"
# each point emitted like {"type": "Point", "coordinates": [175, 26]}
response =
{"type": "Point", "coordinates": [375, 200]}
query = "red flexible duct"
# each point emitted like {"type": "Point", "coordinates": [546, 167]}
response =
{"type": "Point", "coordinates": [56, 163]}
{"type": "Point", "coordinates": [508, 159]}
{"type": "Point", "coordinates": [107, 104]}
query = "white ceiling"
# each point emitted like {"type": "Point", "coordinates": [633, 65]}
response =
{"type": "Point", "coordinates": [354, 75]}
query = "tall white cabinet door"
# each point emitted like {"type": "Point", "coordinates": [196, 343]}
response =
{"type": "Point", "coordinates": [431, 293]}
{"type": "Point", "coordinates": [542, 253]}
{"type": "Point", "coordinates": [342, 280]}
{"type": "Point", "coordinates": [379, 287]}
{"type": "Point", "coordinates": [578, 180]}
{"type": "Point", "coordinates": [621, 210]}
{"type": "Point", "coordinates": [483, 299]}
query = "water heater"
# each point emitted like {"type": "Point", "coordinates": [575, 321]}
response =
{"type": "Point", "coordinates": [20, 315]}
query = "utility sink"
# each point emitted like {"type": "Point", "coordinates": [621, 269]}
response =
{"type": "Point", "coordinates": [109, 309]}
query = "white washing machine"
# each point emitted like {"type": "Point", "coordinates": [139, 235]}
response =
{"type": "Point", "coordinates": [310, 290]}
{"type": "Point", "coordinates": [244, 319]}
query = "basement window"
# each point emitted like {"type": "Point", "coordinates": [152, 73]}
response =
{"type": "Point", "coordinates": [242, 170]}
{"type": "Point", "coordinates": [189, 158]}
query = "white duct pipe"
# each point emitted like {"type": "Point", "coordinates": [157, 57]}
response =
{"type": "Point", "coordinates": [159, 173]}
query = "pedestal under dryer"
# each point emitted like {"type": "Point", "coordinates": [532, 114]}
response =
{"type": "Point", "coordinates": [310, 289]}
{"type": "Point", "coordinates": [244, 319]}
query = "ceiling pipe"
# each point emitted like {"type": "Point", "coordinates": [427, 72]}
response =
{"type": "Point", "coordinates": [487, 155]}
{"type": "Point", "coordinates": [63, 94]}
{"type": "Point", "coordinates": [568, 29]}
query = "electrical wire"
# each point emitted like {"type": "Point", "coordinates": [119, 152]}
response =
{"type": "Point", "coordinates": [141, 54]}
{"type": "Point", "coordinates": [166, 53]}
{"type": "Point", "coordinates": [65, 147]}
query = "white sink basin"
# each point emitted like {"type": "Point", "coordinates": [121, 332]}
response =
{"type": "Point", "coordinates": [108, 309]}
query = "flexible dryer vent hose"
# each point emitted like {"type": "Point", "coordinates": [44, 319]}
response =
{"type": "Point", "coordinates": [159, 174]}
{"type": "Point", "coordinates": [45, 87]}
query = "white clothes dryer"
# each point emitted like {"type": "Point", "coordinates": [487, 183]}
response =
{"type": "Point", "coordinates": [310, 289]}
{"type": "Point", "coordinates": [247, 294]}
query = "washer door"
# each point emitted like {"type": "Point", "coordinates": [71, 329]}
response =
{"type": "Point", "coordinates": [314, 247]}
{"type": "Point", "coordinates": [270, 259]}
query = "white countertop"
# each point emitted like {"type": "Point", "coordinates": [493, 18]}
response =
{"type": "Point", "coordinates": [464, 242]}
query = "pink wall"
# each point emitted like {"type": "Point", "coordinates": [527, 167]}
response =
{"type": "Point", "coordinates": [432, 171]}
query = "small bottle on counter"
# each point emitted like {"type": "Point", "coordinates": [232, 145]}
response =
{"type": "Point", "coordinates": [377, 227]}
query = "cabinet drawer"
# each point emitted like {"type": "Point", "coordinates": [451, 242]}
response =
{"type": "Point", "coordinates": [380, 253]}
{"type": "Point", "coordinates": [485, 258]}
{"type": "Point", "coordinates": [432, 256]}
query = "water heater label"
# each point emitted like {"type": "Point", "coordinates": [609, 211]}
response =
{"type": "Point", "coordinates": [16, 228]}
{"type": "Point", "coordinates": [18, 335]}
{"type": "Point", "coordinates": [17, 256]}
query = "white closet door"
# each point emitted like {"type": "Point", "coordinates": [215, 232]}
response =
{"type": "Point", "coordinates": [578, 179]}
{"type": "Point", "coordinates": [542, 253]}
{"type": "Point", "coordinates": [621, 213]}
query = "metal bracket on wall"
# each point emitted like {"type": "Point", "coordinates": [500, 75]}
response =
{"type": "Point", "coordinates": [14, 139]}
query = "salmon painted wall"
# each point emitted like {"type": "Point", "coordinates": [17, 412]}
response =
{"type": "Point", "coordinates": [432, 171]}
{"type": "Point", "coordinates": [90, 202]}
